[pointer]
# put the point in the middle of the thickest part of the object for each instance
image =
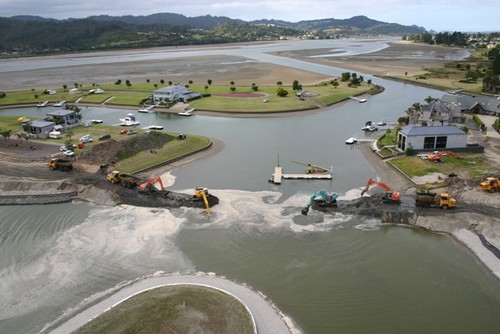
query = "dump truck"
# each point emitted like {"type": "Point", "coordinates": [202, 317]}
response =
{"type": "Point", "coordinates": [127, 180]}
{"type": "Point", "coordinates": [442, 200]}
{"type": "Point", "coordinates": [491, 184]}
{"type": "Point", "coordinates": [60, 164]}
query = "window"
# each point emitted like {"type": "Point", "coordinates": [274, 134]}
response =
{"type": "Point", "coordinates": [441, 142]}
{"type": "Point", "coordinates": [429, 142]}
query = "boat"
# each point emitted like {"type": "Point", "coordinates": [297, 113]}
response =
{"type": "Point", "coordinates": [96, 121]}
{"type": "Point", "coordinates": [186, 113]}
{"type": "Point", "coordinates": [154, 127]}
{"type": "Point", "coordinates": [42, 104]}
{"type": "Point", "coordinates": [352, 140]}
{"type": "Point", "coordinates": [362, 100]}
{"type": "Point", "coordinates": [129, 120]}
{"type": "Point", "coordinates": [59, 104]}
{"type": "Point", "coordinates": [369, 126]}
{"type": "Point", "coordinates": [146, 110]}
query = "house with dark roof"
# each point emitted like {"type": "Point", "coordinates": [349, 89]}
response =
{"type": "Point", "coordinates": [40, 128]}
{"type": "Point", "coordinates": [431, 138]}
{"type": "Point", "coordinates": [67, 117]}
{"type": "Point", "coordinates": [474, 104]}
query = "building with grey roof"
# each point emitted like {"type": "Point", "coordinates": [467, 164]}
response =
{"type": "Point", "coordinates": [430, 138]}
{"type": "Point", "coordinates": [63, 116]}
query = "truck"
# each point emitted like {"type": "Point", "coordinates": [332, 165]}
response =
{"type": "Point", "coordinates": [490, 184]}
{"type": "Point", "coordinates": [442, 200]}
{"type": "Point", "coordinates": [60, 164]}
{"type": "Point", "coordinates": [127, 180]}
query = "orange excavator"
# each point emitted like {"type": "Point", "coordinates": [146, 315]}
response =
{"type": "Point", "coordinates": [436, 157]}
{"type": "Point", "coordinates": [391, 196]}
{"type": "Point", "coordinates": [150, 185]}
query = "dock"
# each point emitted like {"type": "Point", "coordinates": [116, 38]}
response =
{"type": "Point", "coordinates": [326, 176]}
{"type": "Point", "coordinates": [277, 175]}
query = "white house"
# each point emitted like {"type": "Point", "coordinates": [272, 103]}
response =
{"type": "Point", "coordinates": [430, 138]}
{"type": "Point", "coordinates": [169, 94]}
{"type": "Point", "coordinates": [174, 94]}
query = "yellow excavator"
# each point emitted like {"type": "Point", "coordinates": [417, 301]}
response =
{"type": "Point", "coordinates": [312, 169]}
{"type": "Point", "coordinates": [202, 193]}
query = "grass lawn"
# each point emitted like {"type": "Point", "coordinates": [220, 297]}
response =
{"type": "Point", "coordinates": [470, 166]}
{"type": "Point", "coordinates": [179, 309]}
{"type": "Point", "coordinates": [324, 94]}
{"type": "Point", "coordinates": [171, 150]}
{"type": "Point", "coordinates": [389, 137]}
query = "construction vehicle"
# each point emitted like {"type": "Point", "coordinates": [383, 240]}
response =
{"type": "Point", "coordinates": [390, 197]}
{"type": "Point", "coordinates": [442, 200]}
{"type": "Point", "coordinates": [201, 193]}
{"type": "Point", "coordinates": [490, 184]}
{"type": "Point", "coordinates": [436, 157]}
{"type": "Point", "coordinates": [60, 164]}
{"type": "Point", "coordinates": [127, 180]}
{"type": "Point", "coordinates": [312, 169]}
{"type": "Point", "coordinates": [322, 199]}
{"type": "Point", "coordinates": [150, 185]}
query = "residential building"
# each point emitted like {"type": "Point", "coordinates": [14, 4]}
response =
{"type": "Point", "coordinates": [40, 128]}
{"type": "Point", "coordinates": [174, 94]}
{"type": "Point", "coordinates": [431, 138]}
{"type": "Point", "coordinates": [67, 117]}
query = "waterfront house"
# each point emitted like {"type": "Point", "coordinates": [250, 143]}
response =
{"type": "Point", "coordinates": [67, 117]}
{"type": "Point", "coordinates": [431, 138]}
{"type": "Point", "coordinates": [40, 128]}
{"type": "Point", "coordinates": [174, 94]}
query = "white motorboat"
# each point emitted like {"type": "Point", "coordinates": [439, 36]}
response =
{"type": "Point", "coordinates": [42, 104]}
{"type": "Point", "coordinates": [146, 110]}
{"type": "Point", "coordinates": [129, 120]}
{"type": "Point", "coordinates": [186, 112]}
{"type": "Point", "coordinates": [368, 126]}
{"type": "Point", "coordinates": [96, 121]}
{"type": "Point", "coordinates": [352, 140]}
{"type": "Point", "coordinates": [59, 104]}
{"type": "Point", "coordinates": [154, 127]}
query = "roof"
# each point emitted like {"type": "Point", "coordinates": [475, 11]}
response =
{"type": "Point", "coordinates": [41, 124]}
{"type": "Point", "coordinates": [467, 102]}
{"type": "Point", "coordinates": [171, 89]}
{"type": "Point", "coordinates": [415, 130]}
{"type": "Point", "coordinates": [60, 113]}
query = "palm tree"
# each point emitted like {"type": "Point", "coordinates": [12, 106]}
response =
{"type": "Point", "coordinates": [69, 134]}
{"type": "Point", "coordinates": [429, 99]}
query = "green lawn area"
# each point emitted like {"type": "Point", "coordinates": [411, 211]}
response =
{"type": "Point", "coordinates": [171, 150]}
{"type": "Point", "coordinates": [324, 94]}
{"type": "Point", "coordinates": [389, 137]}
{"type": "Point", "coordinates": [174, 309]}
{"type": "Point", "coordinates": [471, 165]}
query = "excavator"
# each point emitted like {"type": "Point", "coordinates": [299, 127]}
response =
{"type": "Point", "coordinates": [202, 193]}
{"type": "Point", "coordinates": [322, 199]}
{"type": "Point", "coordinates": [150, 185]}
{"type": "Point", "coordinates": [436, 157]}
{"type": "Point", "coordinates": [312, 169]}
{"type": "Point", "coordinates": [391, 196]}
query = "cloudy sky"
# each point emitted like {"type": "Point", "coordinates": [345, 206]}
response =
{"type": "Point", "coordinates": [438, 15]}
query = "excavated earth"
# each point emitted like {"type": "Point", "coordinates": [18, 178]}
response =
{"type": "Point", "coordinates": [35, 183]}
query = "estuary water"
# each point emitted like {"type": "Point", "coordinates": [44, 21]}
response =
{"type": "Point", "coordinates": [329, 273]}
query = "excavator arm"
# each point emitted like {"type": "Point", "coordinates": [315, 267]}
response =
{"type": "Point", "coordinates": [391, 196]}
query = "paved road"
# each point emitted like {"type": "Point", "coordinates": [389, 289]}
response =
{"type": "Point", "coordinates": [266, 318]}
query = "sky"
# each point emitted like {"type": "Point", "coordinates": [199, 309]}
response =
{"type": "Point", "coordinates": [436, 15]}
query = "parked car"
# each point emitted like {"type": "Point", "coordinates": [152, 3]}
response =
{"type": "Point", "coordinates": [124, 132]}
{"type": "Point", "coordinates": [55, 135]}
{"type": "Point", "coordinates": [86, 139]}
{"type": "Point", "coordinates": [69, 153]}
{"type": "Point", "coordinates": [105, 136]}
{"type": "Point", "coordinates": [131, 132]}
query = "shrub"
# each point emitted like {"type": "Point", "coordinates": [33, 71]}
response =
{"type": "Point", "coordinates": [282, 92]}
{"type": "Point", "coordinates": [2, 95]}
{"type": "Point", "coordinates": [409, 151]}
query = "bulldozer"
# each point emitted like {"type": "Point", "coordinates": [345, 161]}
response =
{"type": "Point", "coordinates": [390, 197]}
{"type": "Point", "coordinates": [490, 184]}
{"type": "Point", "coordinates": [322, 199]}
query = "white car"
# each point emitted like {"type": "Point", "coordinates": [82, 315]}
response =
{"type": "Point", "coordinates": [69, 153]}
{"type": "Point", "coordinates": [86, 139]}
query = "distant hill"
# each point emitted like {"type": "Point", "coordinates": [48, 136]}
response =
{"type": "Point", "coordinates": [36, 35]}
